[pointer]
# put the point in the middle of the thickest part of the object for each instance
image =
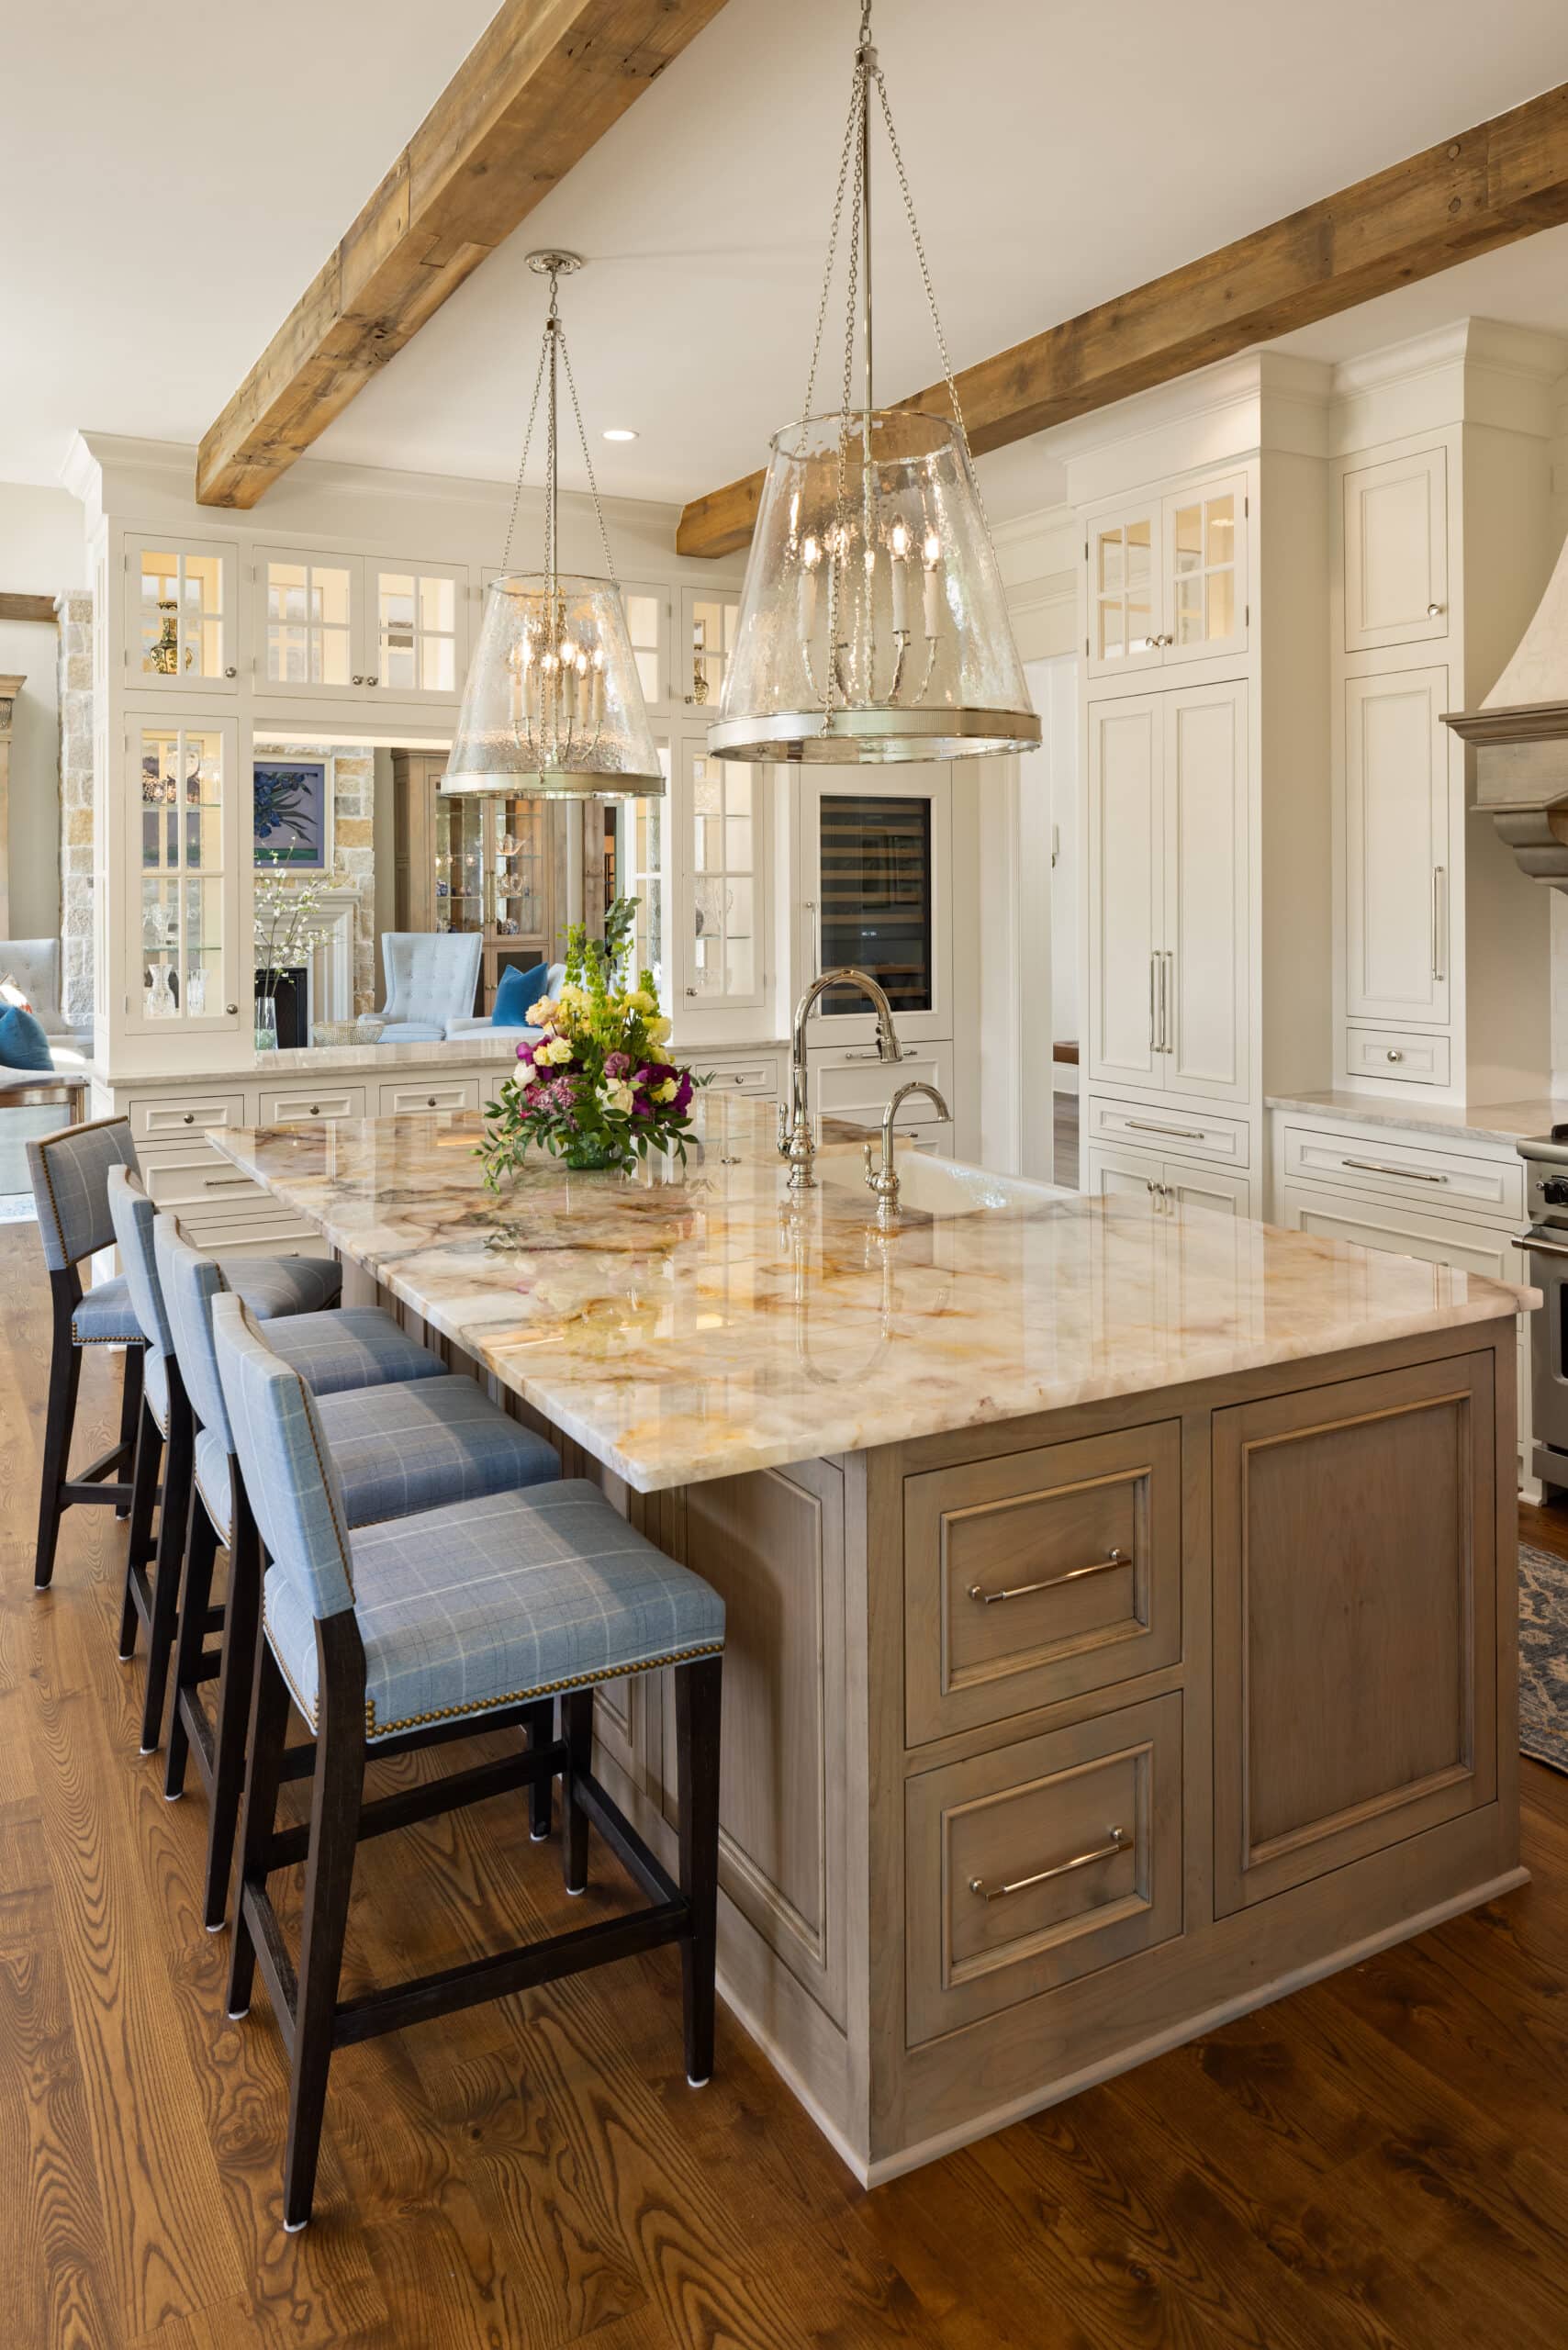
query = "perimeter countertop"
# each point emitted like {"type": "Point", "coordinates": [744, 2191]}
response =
{"type": "Point", "coordinates": [689, 1326]}
{"type": "Point", "coordinates": [373, 1060]}
{"type": "Point", "coordinates": [1506, 1122]}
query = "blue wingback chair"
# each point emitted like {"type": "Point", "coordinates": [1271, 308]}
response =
{"type": "Point", "coordinates": [433, 977]}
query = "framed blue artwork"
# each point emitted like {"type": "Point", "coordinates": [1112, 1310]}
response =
{"type": "Point", "coordinates": [293, 807]}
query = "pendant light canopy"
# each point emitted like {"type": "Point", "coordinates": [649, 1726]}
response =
{"type": "Point", "coordinates": [873, 625]}
{"type": "Point", "coordinates": [552, 708]}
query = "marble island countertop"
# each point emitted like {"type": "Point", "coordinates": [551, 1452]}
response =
{"type": "Point", "coordinates": [687, 1327]}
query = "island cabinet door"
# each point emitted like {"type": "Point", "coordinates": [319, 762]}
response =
{"type": "Point", "coordinates": [1040, 1575]}
{"type": "Point", "coordinates": [1355, 1628]}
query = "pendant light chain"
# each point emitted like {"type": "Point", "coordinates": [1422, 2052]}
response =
{"type": "Point", "coordinates": [554, 341]}
{"type": "Point", "coordinates": [850, 129]}
{"type": "Point", "coordinates": [587, 462]}
{"type": "Point", "coordinates": [925, 270]}
{"type": "Point", "coordinates": [522, 467]}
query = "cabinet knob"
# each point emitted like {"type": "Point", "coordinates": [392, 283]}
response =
{"type": "Point", "coordinates": [1433, 611]}
{"type": "Point", "coordinates": [231, 671]}
{"type": "Point", "coordinates": [315, 1109]}
{"type": "Point", "coordinates": [1395, 1054]}
{"type": "Point", "coordinates": [190, 1118]}
{"type": "Point", "coordinates": [430, 1100]}
{"type": "Point", "coordinates": [230, 1007]}
{"type": "Point", "coordinates": [372, 681]}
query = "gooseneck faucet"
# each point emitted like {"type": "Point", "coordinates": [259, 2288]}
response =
{"type": "Point", "coordinates": [796, 1142]}
{"type": "Point", "coordinates": [884, 1181]}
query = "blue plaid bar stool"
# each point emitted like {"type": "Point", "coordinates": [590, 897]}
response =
{"type": "Point", "coordinates": [403, 1635]}
{"type": "Point", "coordinates": [396, 1449]}
{"type": "Point", "coordinates": [366, 1345]}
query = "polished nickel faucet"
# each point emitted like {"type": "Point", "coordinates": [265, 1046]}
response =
{"type": "Point", "coordinates": [795, 1139]}
{"type": "Point", "coordinates": [884, 1180]}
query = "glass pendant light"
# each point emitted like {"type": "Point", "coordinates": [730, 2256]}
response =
{"type": "Point", "coordinates": [873, 625]}
{"type": "Point", "coordinates": [552, 708]}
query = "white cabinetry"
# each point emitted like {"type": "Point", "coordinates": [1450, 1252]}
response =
{"type": "Point", "coordinates": [1168, 579]}
{"type": "Point", "coordinates": [1399, 804]}
{"type": "Point", "coordinates": [180, 631]}
{"type": "Point", "coordinates": [1170, 1183]}
{"type": "Point", "coordinates": [1169, 860]}
{"type": "Point", "coordinates": [1395, 524]}
{"type": "Point", "coordinates": [327, 623]}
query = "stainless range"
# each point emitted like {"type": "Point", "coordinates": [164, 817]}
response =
{"type": "Point", "coordinates": [1546, 1244]}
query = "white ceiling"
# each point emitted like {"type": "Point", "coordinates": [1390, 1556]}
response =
{"type": "Point", "coordinates": [183, 181]}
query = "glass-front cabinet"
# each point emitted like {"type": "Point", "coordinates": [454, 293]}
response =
{"type": "Point", "coordinates": [709, 623]}
{"type": "Point", "coordinates": [491, 866]}
{"type": "Point", "coordinates": [1168, 580]}
{"type": "Point", "coordinates": [181, 615]}
{"type": "Point", "coordinates": [183, 877]}
{"type": "Point", "coordinates": [330, 622]}
{"type": "Point", "coordinates": [875, 859]}
{"type": "Point", "coordinates": [719, 876]}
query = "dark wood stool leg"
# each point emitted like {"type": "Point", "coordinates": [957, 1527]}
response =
{"type": "Point", "coordinates": [201, 1550]}
{"type": "Point", "coordinates": [269, 1725]}
{"type": "Point", "coordinates": [698, 1695]}
{"type": "Point", "coordinates": [577, 1723]}
{"type": "Point", "coordinates": [179, 1491]}
{"type": "Point", "coordinates": [64, 1380]}
{"type": "Point", "coordinates": [540, 1796]}
{"type": "Point", "coordinates": [138, 1543]}
{"type": "Point", "coordinates": [131, 1396]}
{"type": "Point", "coordinates": [336, 1792]}
{"type": "Point", "coordinates": [242, 1615]}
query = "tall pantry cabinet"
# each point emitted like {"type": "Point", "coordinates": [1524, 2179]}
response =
{"type": "Point", "coordinates": [1203, 709]}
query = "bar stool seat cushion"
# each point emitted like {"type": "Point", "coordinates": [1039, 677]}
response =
{"type": "Point", "coordinates": [398, 1449]}
{"type": "Point", "coordinates": [274, 1285]}
{"type": "Point", "coordinates": [105, 1317]}
{"type": "Point", "coordinates": [488, 1603]}
{"type": "Point", "coordinates": [355, 1346]}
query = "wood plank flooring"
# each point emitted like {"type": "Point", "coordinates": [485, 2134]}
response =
{"type": "Point", "coordinates": [1380, 2162]}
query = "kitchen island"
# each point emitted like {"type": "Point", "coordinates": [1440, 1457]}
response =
{"type": "Point", "coordinates": [1121, 1603]}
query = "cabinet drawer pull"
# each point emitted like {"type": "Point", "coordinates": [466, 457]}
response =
{"type": "Point", "coordinates": [227, 1183]}
{"type": "Point", "coordinates": [1183, 1134]}
{"type": "Point", "coordinates": [1119, 1842]}
{"type": "Point", "coordinates": [1437, 879]}
{"type": "Point", "coordinates": [873, 1056]}
{"type": "Point", "coordinates": [1153, 1029]}
{"type": "Point", "coordinates": [1073, 1574]}
{"type": "Point", "coordinates": [1377, 1166]}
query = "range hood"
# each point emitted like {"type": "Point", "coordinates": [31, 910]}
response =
{"type": "Point", "coordinates": [1520, 735]}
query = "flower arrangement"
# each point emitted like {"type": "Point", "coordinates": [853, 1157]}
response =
{"type": "Point", "coordinates": [595, 1090]}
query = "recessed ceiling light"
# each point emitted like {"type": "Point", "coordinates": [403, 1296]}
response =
{"type": "Point", "coordinates": [619, 432]}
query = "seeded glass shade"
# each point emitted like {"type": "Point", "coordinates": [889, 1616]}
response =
{"type": "Point", "coordinates": [552, 708]}
{"type": "Point", "coordinates": [882, 537]}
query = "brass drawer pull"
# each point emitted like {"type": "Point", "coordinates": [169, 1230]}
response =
{"type": "Point", "coordinates": [1073, 1574]}
{"type": "Point", "coordinates": [227, 1183]}
{"type": "Point", "coordinates": [1183, 1134]}
{"type": "Point", "coordinates": [1119, 1843]}
{"type": "Point", "coordinates": [1379, 1167]}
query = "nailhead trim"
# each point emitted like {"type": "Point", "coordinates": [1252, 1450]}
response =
{"type": "Point", "coordinates": [491, 1705]}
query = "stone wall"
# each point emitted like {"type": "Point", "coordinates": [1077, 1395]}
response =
{"type": "Point", "coordinates": [354, 845]}
{"type": "Point", "coordinates": [75, 656]}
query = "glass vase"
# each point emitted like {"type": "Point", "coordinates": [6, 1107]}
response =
{"type": "Point", "coordinates": [266, 1023]}
{"type": "Point", "coordinates": [586, 1152]}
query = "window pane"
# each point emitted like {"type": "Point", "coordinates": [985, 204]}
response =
{"type": "Point", "coordinates": [1189, 611]}
{"type": "Point", "coordinates": [437, 663]}
{"type": "Point", "coordinates": [397, 596]}
{"type": "Point", "coordinates": [1221, 587]}
{"type": "Point", "coordinates": [286, 591]}
{"type": "Point", "coordinates": [330, 651]}
{"type": "Point", "coordinates": [642, 621]}
{"type": "Point", "coordinates": [1189, 538]}
{"type": "Point", "coordinates": [707, 795]}
{"type": "Point", "coordinates": [1140, 559]}
{"type": "Point", "coordinates": [739, 964]}
{"type": "Point", "coordinates": [1110, 566]}
{"type": "Point", "coordinates": [438, 608]}
{"type": "Point", "coordinates": [1110, 643]}
{"type": "Point", "coordinates": [737, 844]}
{"type": "Point", "coordinates": [329, 597]}
{"type": "Point", "coordinates": [738, 908]}
{"type": "Point", "coordinates": [1221, 513]}
{"type": "Point", "coordinates": [648, 674]}
{"type": "Point", "coordinates": [737, 788]}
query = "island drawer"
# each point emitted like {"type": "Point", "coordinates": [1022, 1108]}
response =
{"type": "Point", "coordinates": [430, 1093]}
{"type": "Point", "coordinates": [1186, 1134]}
{"type": "Point", "coordinates": [299, 1104]}
{"type": "Point", "coordinates": [744, 1076]}
{"type": "Point", "coordinates": [203, 1179]}
{"type": "Point", "coordinates": [1414, 1056]}
{"type": "Point", "coordinates": [1040, 1575]}
{"type": "Point", "coordinates": [1394, 1168]}
{"type": "Point", "coordinates": [166, 1120]}
{"type": "Point", "coordinates": [1027, 1868]}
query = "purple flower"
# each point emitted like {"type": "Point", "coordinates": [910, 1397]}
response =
{"type": "Point", "coordinates": [616, 1064]}
{"type": "Point", "coordinates": [682, 1101]}
{"type": "Point", "coordinates": [641, 1107]}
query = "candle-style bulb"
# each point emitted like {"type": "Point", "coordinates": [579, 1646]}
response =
{"type": "Point", "coordinates": [931, 549]}
{"type": "Point", "coordinates": [899, 540]}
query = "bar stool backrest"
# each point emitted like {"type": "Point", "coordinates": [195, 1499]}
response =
{"type": "Point", "coordinates": [189, 1283]}
{"type": "Point", "coordinates": [294, 1491]}
{"type": "Point", "coordinates": [69, 1174]}
{"type": "Point", "coordinates": [131, 1213]}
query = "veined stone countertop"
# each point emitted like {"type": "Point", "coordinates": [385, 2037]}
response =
{"type": "Point", "coordinates": [380, 1061]}
{"type": "Point", "coordinates": [689, 1326]}
{"type": "Point", "coordinates": [1459, 1122]}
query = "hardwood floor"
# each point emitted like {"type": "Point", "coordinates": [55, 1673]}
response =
{"type": "Point", "coordinates": [1381, 2161]}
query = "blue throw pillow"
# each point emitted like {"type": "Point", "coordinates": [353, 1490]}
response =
{"type": "Point", "coordinates": [517, 992]}
{"type": "Point", "coordinates": [23, 1043]}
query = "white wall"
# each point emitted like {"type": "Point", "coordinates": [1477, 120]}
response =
{"type": "Point", "coordinates": [42, 552]}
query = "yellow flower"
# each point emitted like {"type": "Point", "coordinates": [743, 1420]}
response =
{"type": "Point", "coordinates": [639, 1000]}
{"type": "Point", "coordinates": [657, 1031]}
{"type": "Point", "coordinates": [666, 1092]}
{"type": "Point", "coordinates": [538, 1013]}
{"type": "Point", "coordinates": [558, 1049]}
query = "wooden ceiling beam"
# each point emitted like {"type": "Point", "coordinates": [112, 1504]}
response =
{"type": "Point", "coordinates": [1484, 187]}
{"type": "Point", "coordinates": [27, 607]}
{"type": "Point", "coordinates": [543, 84]}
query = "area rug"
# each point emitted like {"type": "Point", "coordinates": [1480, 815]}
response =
{"type": "Point", "coordinates": [1543, 1656]}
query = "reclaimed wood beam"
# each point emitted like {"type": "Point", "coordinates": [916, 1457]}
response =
{"type": "Point", "coordinates": [27, 607]}
{"type": "Point", "coordinates": [545, 80]}
{"type": "Point", "coordinates": [1484, 187]}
